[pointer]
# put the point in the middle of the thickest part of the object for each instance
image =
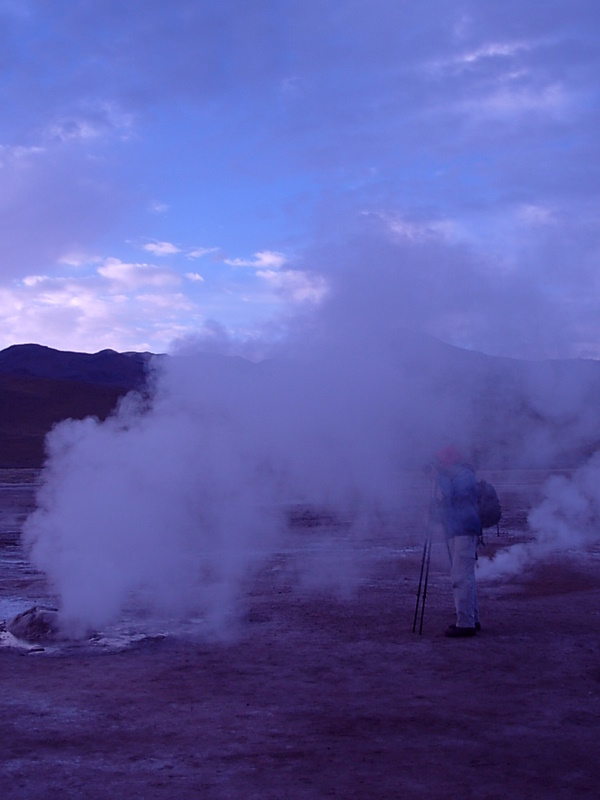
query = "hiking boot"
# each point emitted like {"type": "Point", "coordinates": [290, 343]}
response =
{"type": "Point", "coordinates": [477, 626]}
{"type": "Point", "coordinates": [454, 632]}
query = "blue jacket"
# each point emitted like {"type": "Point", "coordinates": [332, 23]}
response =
{"type": "Point", "coordinates": [458, 492]}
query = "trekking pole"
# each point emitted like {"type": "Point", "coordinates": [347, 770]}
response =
{"type": "Point", "coordinates": [424, 563]}
{"type": "Point", "coordinates": [425, 584]}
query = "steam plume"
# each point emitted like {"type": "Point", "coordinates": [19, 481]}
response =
{"type": "Point", "coordinates": [566, 519]}
{"type": "Point", "coordinates": [172, 504]}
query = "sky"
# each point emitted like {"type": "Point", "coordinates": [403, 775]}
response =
{"type": "Point", "coordinates": [208, 170]}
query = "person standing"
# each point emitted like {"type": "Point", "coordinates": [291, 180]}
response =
{"type": "Point", "coordinates": [457, 495]}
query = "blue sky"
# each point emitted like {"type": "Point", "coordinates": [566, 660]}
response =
{"type": "Point", "coordinates": [172, 169]}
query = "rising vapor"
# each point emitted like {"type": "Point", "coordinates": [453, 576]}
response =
{"type": "Point", "coordinates": [175, 501]}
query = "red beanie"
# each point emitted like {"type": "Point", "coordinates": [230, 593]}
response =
{"type": "Point", "coordinates": [448, 456]}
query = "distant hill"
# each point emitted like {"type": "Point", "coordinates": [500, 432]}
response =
{"type": "Point", "coordinates": [517, 413]}
{"type": "Point", "coordinates": [40, 386]}
{"type": "Point", "coordinates": [106, 367]}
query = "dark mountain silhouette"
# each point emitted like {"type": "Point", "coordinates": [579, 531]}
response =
{"type": "Point", "coordinates": [106, 367]}
{"type": "Point", "coordinates": [40, 386]}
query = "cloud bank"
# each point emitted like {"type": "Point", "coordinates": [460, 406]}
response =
{"type": "Point", "coordinates": [222, 133]}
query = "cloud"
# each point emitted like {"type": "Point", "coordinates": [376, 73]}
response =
{"type": "Point", "coordinates": [96, 313]}
{"type": "Point", "coordinates": [91, 121]}
{"type": "Point", "coordinates": [414, 231]}
{"type": "Point", "coordinates": [133, 276]}
{"type": "Point", "coordinates": [494, 50]}
{"type": "Point", "coordinates": [262, 260]}
{"type": "Point", "coordinates": [78, 258]}
{"type": "Point", "coordinates": [510, 101]}
{"type": "Point", "coordinates": [200, 252]}
{"type": "Point", "coordinates": [296, 285]}
{"type": "Point", "coordinates": [108, 302]}
{"type": "Point", "coordinates": [158, 208]}
{"type": "Point", "coordinates": [532, 214]}
{"type": "Point", "coordinates": [162, 248]}
{"type": "Point", "coordinates": [18, 155]}
{"type": "Point", "coordinates": [33, 280]}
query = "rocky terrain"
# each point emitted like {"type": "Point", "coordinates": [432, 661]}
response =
{"type": "Point", "coordinates": [315, 694]}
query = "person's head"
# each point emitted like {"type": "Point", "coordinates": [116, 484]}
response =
{"type": "Point", "coordinates": [448, 457]}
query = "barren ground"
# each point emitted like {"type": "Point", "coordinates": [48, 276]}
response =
{"type": "Point", "coordinates": [320, 696]}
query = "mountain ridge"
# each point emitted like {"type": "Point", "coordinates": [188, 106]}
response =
{"type": "Point", "coordinates": [104, 367]}
{"type": "Point", "coordinates": [41, 386]}
{"type": "Point", "coordinates": [535, 413]}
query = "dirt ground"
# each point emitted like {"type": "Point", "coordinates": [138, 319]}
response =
{"type": "Point", "coordinates": [319, 696]}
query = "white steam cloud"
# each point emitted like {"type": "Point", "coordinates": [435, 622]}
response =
{"type": "Point", "coordinates": [566, 519]}
{"type": "Point", "coordinates": [176, 503]}
{"type": "Point", "coordinates": [173, 502]}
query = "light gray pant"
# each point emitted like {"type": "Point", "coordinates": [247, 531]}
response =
{"type": "Point", "coordinates": [463, 554]}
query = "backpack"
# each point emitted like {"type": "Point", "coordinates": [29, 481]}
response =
{"type": "Point", "coordinates": [488, 506]}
